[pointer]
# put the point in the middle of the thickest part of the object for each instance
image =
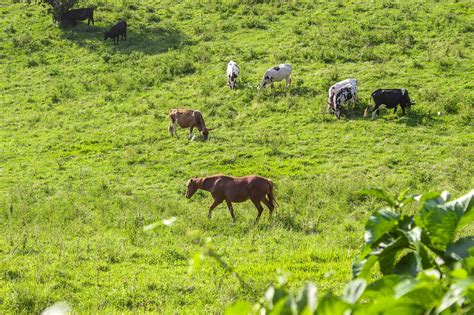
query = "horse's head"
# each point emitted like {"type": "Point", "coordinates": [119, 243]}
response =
{"type": "Point", "coordinates": [205, 133]}
{"type": "Point", "coordinates": [191, 188]}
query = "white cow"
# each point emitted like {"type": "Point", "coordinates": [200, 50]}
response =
{"type": "Point", "coordinates": [277, 74]}
{"type": "Point", "coordinates": [232, 74]}
{"type": "Point", "coordinates": [336, 87]}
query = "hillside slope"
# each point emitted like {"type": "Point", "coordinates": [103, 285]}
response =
{"type": "Point", "coordinates": [86, 159]}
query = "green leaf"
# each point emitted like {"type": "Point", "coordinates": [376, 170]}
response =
{"type": "Point", "coordinates": [285, 306]}
{"type": "Point", "coordinates": [460, 249]}
{"type": "Point", "coordinates": [382, 287]}
{"type": "Point", "coordinates": [463, 204]}
{"type": "Point", "coordinates": [331, 305]}
{"type": "Point", "coordinates": [307, 299]}
{"type": "Point", "coordinates": [388, 256]}
{"type": "Point", "coordinates": [379, 193]}
{"type": "Point", "coordinates": [439, 223]}
{"type": "Point", "coordinates": [379, 224]}
{"type": "Point", "coordinates": [354, 290]}
{"type": "Point", "coordinates": [426, 292]}
{"type": "Point", "coordinates": [362, 268]}
{"type": "Point", "coordinates": [389, 306]}
{"type": "Point", "coordinates": [456, 293]}
{"type": "Point", "coordinates": [410, 264]}
{"type": "Point", "coordinates": [239, 308]}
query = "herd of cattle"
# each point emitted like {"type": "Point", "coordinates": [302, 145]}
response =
{"type": "Point", "coordinates": [238, 189]}
{"type": "Point", "coordinates": [340, 93]}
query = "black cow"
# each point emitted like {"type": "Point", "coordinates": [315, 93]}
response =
{"type": "Point", "coordinates": [118, 29]}
{"type": "Point", "coordinates": [391, 98]}
{"type": "Point", "coordinates": [71, 17]}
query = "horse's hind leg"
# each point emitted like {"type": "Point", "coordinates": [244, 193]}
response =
{"type": "Point", "coordinates": [259, 208]}
{"type": "Point", "coordinates": [269, 205]}
{"type": "Point", "coordinates": [231, 210]}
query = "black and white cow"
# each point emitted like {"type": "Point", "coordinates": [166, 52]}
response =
{"type": "Point", "coordinates": [391, 98]}
{"type": "Point", "coordinates": [277, 74]}
{"type": "Point", "coordinates": [334, 88]}
{"type": "Point", "coordinates": [232, 74]}
{"type": "Point", "coordinates": [343, 95]}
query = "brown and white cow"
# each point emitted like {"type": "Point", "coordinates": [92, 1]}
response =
{"type": "Point", "coordinates": [187, 118]}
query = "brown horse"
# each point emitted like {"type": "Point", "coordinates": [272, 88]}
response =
{"type": "Point", "coordinates": [187, 118]}
{"type": "Point", "coordinates": [235, 189]}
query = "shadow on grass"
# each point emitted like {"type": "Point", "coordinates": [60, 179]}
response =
{"type": "Point", "coordinates": [148, 40]}
{"type": "Point", "coordinates": [411, 118]}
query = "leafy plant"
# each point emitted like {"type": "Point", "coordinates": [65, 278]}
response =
{"type": "Point", "coordinates": [425, 270]}
{"type": "Point", "coordinates": [406, 244]}
{"type": "Point", "coordinates": [58, 7]}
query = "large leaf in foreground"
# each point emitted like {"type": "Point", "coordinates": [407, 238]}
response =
{"type": "Point", "coordinates": [439, 223]}
{"type": "Point", "coordinates": [380, 223]}
{"type": "Point", "coordinates": [464, 205]}
{"type": "Point", "coordinates": [460, 249]}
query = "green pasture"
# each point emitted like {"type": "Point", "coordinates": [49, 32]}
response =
{"type": "Point", "coordinates": [86, 160]}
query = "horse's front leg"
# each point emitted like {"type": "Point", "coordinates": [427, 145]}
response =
{"type": "Point", "coordinates": [214, 204]}
{"type": "Point", "coordinates": [231, 210]}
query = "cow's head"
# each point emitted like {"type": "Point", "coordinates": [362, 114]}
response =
{"type": "Point", "coordinates": [406, 101]}
{"type": "Point", "coordinates": [191, 188]}
{"type": "Point", "coordinates": [266, 80]}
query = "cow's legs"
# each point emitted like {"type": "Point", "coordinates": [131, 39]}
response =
{"type": "Point", "coordinates": [125, 35]}
{"type": "Point", "coordinates": [403, 109]}
{"type": "Point", "coordinates": [288, 82]}
{"type": "Point", "coordinates": [374, 111]}
{"type": "Point", "coordinates": [395, 109]}
{"type": "Point", "coordinates": [231, 210]}
{"type": "Point", "coordinates": [214, 204]}
{"type": "Point", "coordinates": [190, 133]}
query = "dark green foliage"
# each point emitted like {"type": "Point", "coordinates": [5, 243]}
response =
{"type": "Point", "coordinates": [414, 283]}
{"type": "Point", "coordinates": [58, 7]}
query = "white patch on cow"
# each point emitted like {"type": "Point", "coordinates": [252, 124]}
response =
{"type": "Point", "coordinates": [403, 91]}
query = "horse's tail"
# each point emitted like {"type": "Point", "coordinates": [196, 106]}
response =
{"type": "Point", "coordinates": [271, 195]}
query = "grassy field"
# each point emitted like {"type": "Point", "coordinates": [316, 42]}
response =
{"type": "Point", "coordinates": [86, 159]}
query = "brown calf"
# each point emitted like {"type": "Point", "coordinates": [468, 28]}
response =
{"type": "Point", "coordinates": [187, 118]}
{"type": "Point", "coordinates": [235, 189]}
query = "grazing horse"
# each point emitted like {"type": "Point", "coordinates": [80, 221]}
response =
{"type": "Point", "coordinates": [187, 118]}
{"type": "Point", "coordinates": [235, 189]}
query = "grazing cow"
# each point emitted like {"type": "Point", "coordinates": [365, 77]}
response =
{"type": "Point", "coordinates": [277, 74]}
{"type": "Point", "coordinates": [391, 98]}
{"type": "Point", "coordinates": [235, 189]}
{"type": "Point", "coordinates": [333, 89]}
{"type": "Point", "coordinates": [232, 74]}
{"type": "Point", "coordinates": [343, 95]}
{"type": "Point", "coordinates": [115, 31]}
{"type": "Point", "coordinates": [187, 118]}
{"type": "Point", "coordinates": [71, 17]}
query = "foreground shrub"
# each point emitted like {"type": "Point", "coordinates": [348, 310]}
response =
{"type": "Point", "coordinates": [426, 270]}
